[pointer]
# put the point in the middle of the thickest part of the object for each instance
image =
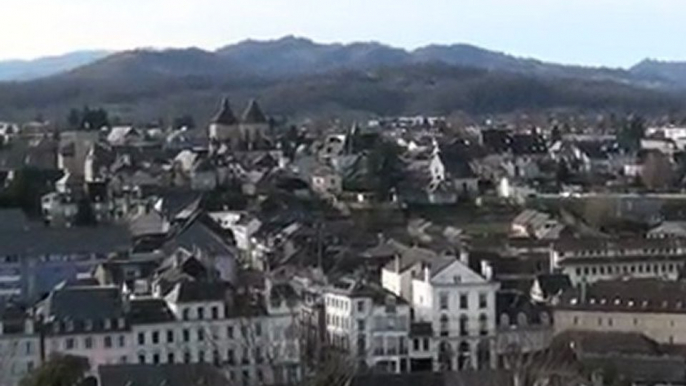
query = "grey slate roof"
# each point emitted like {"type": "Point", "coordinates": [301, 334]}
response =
{"type": "Point", "coordinates": [40, 240]}
{"type": "Point", "coordinates": [149, 310]}
{"type": "Point", "coordinates": [84, 303]}
{"type": "Point", "coordinates": [161, 375]}
{"type": "Point", "coordinates": [199, 291]}
{"type": "Point", "coordinates": [253, 113]}
{"type": "Point", "coordinates": [225, 115]}
{"type": "Point", "coordinates": [463, 378]}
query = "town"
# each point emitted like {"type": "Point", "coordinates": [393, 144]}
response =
{"type": "Point", "coordinates": [252, 251]}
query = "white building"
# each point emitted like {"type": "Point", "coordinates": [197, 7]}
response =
{"type": "Point", "coordinates": [370, 323]}
{"type": "Point", "coordinates": [458, 302]}
{"type": "Point", "coordinates": [591, 260]}
{"type": "Point", "coordinates": [194, 322]}
{"type": "Point", "coordinates": [19, 346]}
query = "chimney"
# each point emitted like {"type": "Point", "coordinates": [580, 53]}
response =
{"type": "Point", "coordinates": [427, 273]}
{"type": "Point", "coordinates": [486, 270]}
{"type": "Point", "coordinates": [396, 261]}
{"type": "Point", "coordinates": [464, 256]}
{"type": "Point", "coordinates": [28, 326]}
{"type": "Point", "coordinates": [583, 290]}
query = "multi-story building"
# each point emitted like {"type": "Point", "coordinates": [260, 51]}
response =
{"type": "Point", "coordinates": [652, 307]}
{"type": "Point", "coordinates": [85, 320]}
{"type": "Point", "coordinates": [253, 340]}
{"type": "Point", "coordinates": [370, 323]}
{"type": "Point", "coordinates": [35, 258]}
{"type": "Point", "coordinates": [591, 260]}
{"type": "Point", "coordinates": [19, 345]}
{"type": "Point", "coordinates": [457, 302]}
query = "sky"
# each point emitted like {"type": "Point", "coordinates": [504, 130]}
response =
{"type": "Point", "coordinates": [614, 33]}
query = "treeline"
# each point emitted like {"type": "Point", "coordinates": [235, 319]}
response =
{"type": "Point", "coordinates": [413, 89]}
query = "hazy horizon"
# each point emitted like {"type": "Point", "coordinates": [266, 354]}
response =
{"type": "Point", "coordinates": [612, 33]}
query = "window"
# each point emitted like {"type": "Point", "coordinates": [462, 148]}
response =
{"type": "Point", "coordinates": [245, 357]}
{"type": "Point", "coordinates": [415, 344]}
{"type": "Point", "coordinates": [483, 300]}
{"type": "Point", "coordinates": [69, 344]}
{"type": "Point", "coordinates": [201, 334]}
{"type": "Point", "coordinates": [360, 306]}
{"type": "Point", "coordinates": [187, 357]}
{"type": "Point", "coordinates": [464, 328]}
{"type": "Point", "coordinates": [426, 344]}
{"type": "Point", "coordinates": [215, 312]}
{"type": "Point", "coordinates": [229, 332]}
{"type": "Point", "coordinates": [141, 358]}
{"type": "Point", "coordinates": [609, 322]}
{"type": "Point", "coordinates": [170, 336]}
{"type": "Point", "coordinates": [444, 325]}
{"type": "Point", "coordinates": [170, 358]}
{"type": "Point", "coordinates": [361, 325]}
{"type": "Point", "coordinates": [378, 346]}
{"type": "Point", "coordinates": [88, 342]}
{"type": "Point", "coordinates": [258, 329]}
{"type": "Point", "coordinates": [201, 356]}
{"type": "Point", "coordinates": [231, 357]}
{"type": "Point", "coordinates": [201, 313]}
{"type": "Point", "coordinates": [155, 337]}
{"type": "Point", "coordinates": [216, 358]}
{"type": "Point", "coordinates": [122, 340]}
{"type": "Point", "coordinates": [258, 355]}
{"type": "Point", "coordinates": [107, 341]}
{"type": "Point", "coordinates": [464, 302]}
{"type": "Point", "coordinates": [483, 325]}
{"type": "Point", "coordinates": [361, 345]}
{"type": "Point", "coordinates": [260, 376]}
{"type": "Point", "coordinates": [155, 358]}
{"type": "Point", "coordinates": [141, 338]}
{"type": "Point", "coordinates": [576, 320]}
{"type": "Point", "coordinates": [185, 314]}
{"type": "Point", "coordinates": [600, 321]}
{"type": "Point", "coordinates": [443, 301]}
{"type": "Point", "coordinates": [186, 335]}
{"type": "Point", "coordinates": [635, 321]}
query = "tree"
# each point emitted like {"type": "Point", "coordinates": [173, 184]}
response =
{"type": "Point", "coordinates": [657, 173]}
{"type": "Point", "coordinates": [182, 121]}
{"type": "Point", "coordinates": [379, 170]}
{"type": "Point", "coordinates": [58, 370]}
{"type": "Point", "coordinates": [629, 136]}
{"type": "Point", "coordinates": [26, 188]}
{"type": "Point", "coordinates": [74, 119]}
{"type": "Point", "coordinates": [556, 134]}
{"type": "Point", "coordinates": [84, 214]}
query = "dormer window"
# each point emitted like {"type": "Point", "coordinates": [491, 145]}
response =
{"type": "Point", "coordinates": [70, 325]}
{"type": "Point", "coordinates": [121, 323]}
{"type": "Point", "coordinates": [88, 325]}
{"type": "Point", "coordinates": [107, 324]}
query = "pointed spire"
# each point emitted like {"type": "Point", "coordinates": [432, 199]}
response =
{"type": "Point", "coordinates": [225, 115]}
{"type": "Point", "coordinates": [254, 114]}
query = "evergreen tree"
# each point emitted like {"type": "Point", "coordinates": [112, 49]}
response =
{"type": "Point", "coordinates": [58, 370]}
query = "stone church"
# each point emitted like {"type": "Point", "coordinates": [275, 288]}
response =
{"type": "Point", "coordinates": [250, 132]}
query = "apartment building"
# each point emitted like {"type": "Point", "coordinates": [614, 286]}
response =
{"type": "Point", "coordinates": [591, 260]}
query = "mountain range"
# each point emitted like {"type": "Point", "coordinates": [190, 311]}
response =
{"type": "Point", "coordinates": [20, 70]}
{"type": "Point", "coordinates": [296, 76]}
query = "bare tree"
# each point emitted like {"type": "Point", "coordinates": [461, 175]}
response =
{"type": "Point", "coordinates": [657, 171]}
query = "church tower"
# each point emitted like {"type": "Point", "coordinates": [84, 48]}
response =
{"type": "Point", "coordinates": [254, 126]}
{"type": "Point", "coordinates": [224, 126]}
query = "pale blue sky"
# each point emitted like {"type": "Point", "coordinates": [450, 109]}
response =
{"type": "Point", "coordinates": [607, 32]}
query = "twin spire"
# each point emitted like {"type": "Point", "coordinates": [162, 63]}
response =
{"type": "Point", "coordinates": [252, 114]}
